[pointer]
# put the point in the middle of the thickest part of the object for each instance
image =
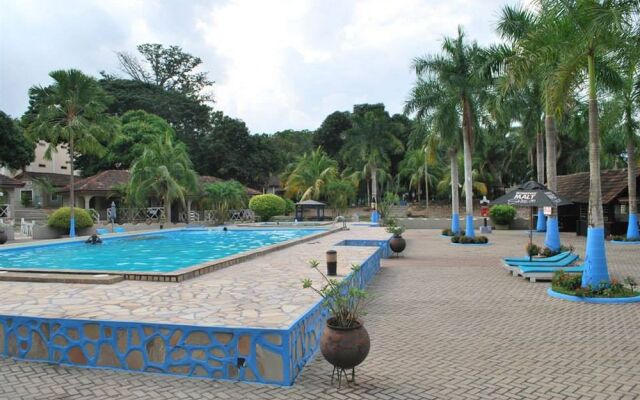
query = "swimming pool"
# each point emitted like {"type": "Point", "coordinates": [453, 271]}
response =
{"type": "Point", "coordinates": [164, 251]}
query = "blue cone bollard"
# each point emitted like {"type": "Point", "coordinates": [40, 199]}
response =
{"type": "Point", "coordinates": [595, 264]}
{"type": "Point", "coordinates": [72, 227]}
{"type": "Point", "coordinates": [552, 239]}
{"type": "Point", "coordinates": [632, 228]}
{"type": "Point", "coordinates": [541, 225]}
{"type": "Point", "coordinates": [469, 231]}
{"type": "Point", "coordinates": [455, 223]}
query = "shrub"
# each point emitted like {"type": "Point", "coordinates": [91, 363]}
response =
{"type": "Point", "coordinates": [620, 238]}
{"type": "Point", "coordinates": [289, 207]}
{"type": "Point", "coordinates": [469, 240]}
{"type": "Point", "coordinates": [571, 284]}
{"type": "Point", "coordinates": [448, 232]}
{"type": "Point", "coordinates": [532, 249]}
{"type": "Point", "coordinates": [267, 205]}
{"type": "Point", "coordinates": [396, 231]}
{"type": "Point", "coordinates": [547, 252]}
{"type": "Point", "coordinates": [502, 214]}
{"type": "Point", "coordinates": [60, 218]}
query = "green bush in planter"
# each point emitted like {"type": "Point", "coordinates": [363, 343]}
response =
{"type": "Point", "coordinates": [267, 206]}
{"type": "Point", "coordinates": [502, 214]}
{"type": "Point", "coordinates": [60, 218]}
{"type": "Point", "coordinates": [290, 207]}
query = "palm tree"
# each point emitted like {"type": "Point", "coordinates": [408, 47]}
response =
{"type": "Point", "coordinates": [310, 175]}
{"type": "Point", "coordinates": [225, 196]}
{"type": "Point", "coordinates": [459, 71]}
{"type": "Point", "coordinates": [437, 111]}
{"type": "Point", "coordinates": [71, 111]}
{"type": "Point", "coordinates": [371, 140]}
{"type": "Point", "coordinates": [590, 30]}
{"type": "Point", "coordinates": [165, 171]}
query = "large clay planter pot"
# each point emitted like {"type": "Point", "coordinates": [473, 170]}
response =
{"type": "Point", "coordinates": [3, 237]}
{"type": "Point", "coordinates": [397, 244]}
{"type": "Point", "coordinates": [344, 347]}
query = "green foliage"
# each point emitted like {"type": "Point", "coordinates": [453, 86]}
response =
{"type": "Point", "coordinates": [344, 298]}
{"type": "Point", "coordinates": [396, 231]}
{"type": "Point", "coordinates": [502, 214]}
{"type": "Point", "coordinates": [448, 232]}
{"type": "Point", "coordinates": [624, 238]}
{"type": "Point", "coordinates": [547, 252]}
{"type": "Point", "coordinates": [267, 206]}
{"type": "Point", "coordinates": [469, 240]}
{"type": "Point", "coordinates": [290, 207]}
{"type": "Point", "coordinates": [571, 284]}
{"type": "Point", "coordinates": [532, 249]}
{"type": "Point", "coordinates": [330, 134]}
{"type": "Point", "coordinates": [340, 193]}
{"type": "Point", "coordinates": [225, 196]}
{"type": "Point", "coordinates": [60, 218]}
{"type": "Point", "coordinates": [16, 150]}
{"type": "Point", "coordinates": [164, 171]}
{"type": "Point", "coordinates": [312, 172]}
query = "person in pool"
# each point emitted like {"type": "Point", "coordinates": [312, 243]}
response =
{"type": "Point", "coordinates": [94, 239]}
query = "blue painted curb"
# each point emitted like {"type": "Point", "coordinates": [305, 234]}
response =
{"type": "Point", "coordinates": [637, 242]}
{"type": "Point", "coordinates": [526, 232]}
{"type": "Point", "coordinates": [593, 300]}
{"type": "Point", "coordinates": [445, 236]}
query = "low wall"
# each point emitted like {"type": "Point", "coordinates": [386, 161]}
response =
{"type": "Point", "coordinates": [444, 223]}
{"type": "Point", "coordinates": [273, 356]}
{"type": "Point", "coordinates": [8, 230]}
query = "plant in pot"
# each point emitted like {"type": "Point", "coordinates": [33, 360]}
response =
{"type": "Point", "coordinates": [502, 215]}
{"type": "Point", "coordinates": [345, 342]}
{"type": "Point", "coordinates": [397, 242]}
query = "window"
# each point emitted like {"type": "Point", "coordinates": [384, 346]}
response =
{"type": "Point", "coordinates": [63, 167]}
{"type": "Point", "coordinates": [54, 196]}
{"type": "Point", "coordinates": [42, 165]}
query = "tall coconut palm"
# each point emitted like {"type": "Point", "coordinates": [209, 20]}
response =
{"type": "Point", "coordinates": [164, 171]}
{"type": "Point", "coordinates": [438, 111]}
{"type": "Point", "coordinates": [72, 111]}
{"type": "Point", "coordinates": [312, 172]}
{"type": "Point", "coordinates": [590, 30]}
{"type": "Point", "coordinates": [371, 140]}
{"type": "Point", "coordinates": [458, 70]}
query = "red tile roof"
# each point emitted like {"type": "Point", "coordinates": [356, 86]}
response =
{"type": "Point", "coordinates": [104, 181]}
{"type": "Point", "coordinates": [6, 181]}
{"type": "Point", "coordinates": [575, 187]}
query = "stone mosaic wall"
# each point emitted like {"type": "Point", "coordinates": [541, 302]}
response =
{"type": "Point", "coordinates": [305, 333]}
{"type": "Point", "coordinates": [274, 356]}
{"type": "Point", "coordinates": [255, 355]}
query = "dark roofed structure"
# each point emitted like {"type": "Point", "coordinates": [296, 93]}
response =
{"type": "Point", "coordinates": [57, 180]}
{"type": "Point", "coordinates": [104, 181]}
{"type": "Point", "coordinates": [615, 199]}
{"type": "Point", "coordinates": [5, 181]}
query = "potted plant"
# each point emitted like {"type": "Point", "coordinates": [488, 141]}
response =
{"type": "Point", "coordinates": [397, 242]}
{"type": "Point", "coordinates": [502, 215]}
{"type": "Point", "coordinates": [345, 342]}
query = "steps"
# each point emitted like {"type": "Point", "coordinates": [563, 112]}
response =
{"type": "Point", "coordinates": [30, 214]}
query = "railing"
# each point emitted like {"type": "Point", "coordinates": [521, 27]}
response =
{"type": "Point", "coordinates": [4, 210]}
{"type": "Point", "coordinates": [146, 214]}
{"type": "Point", "coordinates": [191, 216]}
{"type": "Point", "coordinates": [26, 228]}
{"type": "Point", "coordinates": [95, 215]}
{"type": "Point", "coordinates": [244, 215]}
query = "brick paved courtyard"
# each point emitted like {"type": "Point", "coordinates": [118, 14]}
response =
{"type": "Point", "coordinates": [442, 326]}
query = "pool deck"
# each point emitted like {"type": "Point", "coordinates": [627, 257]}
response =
{"type": "Point", "coordinates": [263, 292]}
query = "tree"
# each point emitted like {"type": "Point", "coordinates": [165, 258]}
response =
{"type": "Point", "coordinates": [138, 130]}
{"type": "Point", "coordinates": [438, 121]}
{"type": "Point", "coordinates": [458, 70]}
{"type": "Point", "coordinates": [590, 30]}
{"type": "Point", "coordinates": [167, 67]}
{"type": "Point", "coordinates": [312, 173]}
{"type": "Point", "coordinates": [340, 193]}
{"type": "Point", "coordinates": [330, 134]}
{"type": "Point", "coordinates": [165, 171]}
{"type": "Point", "coordinates": [72, 111]}
{"type": "Point", "coordinates": [225, 196]}
{"type": "Point", "coordinates": [190, 118]}
{"type": "Point", "coordinates": [371, 140]}
{"type": "Point", "coordinates": [16, 150]}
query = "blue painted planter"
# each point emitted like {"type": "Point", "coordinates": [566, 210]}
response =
{"type": "Point", "coordinates": [637, 242]}
{"type": "Point", "coordinates": [470, 244]}
{"type": "Point", "coordinates": [593, 300]}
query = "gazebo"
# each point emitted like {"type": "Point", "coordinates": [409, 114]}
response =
{"type": "Point", "coordinates": [310, 204]}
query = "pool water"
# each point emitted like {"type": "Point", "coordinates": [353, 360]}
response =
{"type": "Point", "coordinates": [154, 252]}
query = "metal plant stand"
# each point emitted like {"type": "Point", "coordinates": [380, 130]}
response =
{"type": "Point", "coordinates": [343, 372]}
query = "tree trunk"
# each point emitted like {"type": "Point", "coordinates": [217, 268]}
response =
{"type": "Point", "coordinates": [467, 142]}
{"type": "Point", "coordinates": [374, 185]}
{"type": "Point", "coordinates": [632, 175]}
{"type": "Point", "coordinates": [72, 189]}
{"type": "Point", "coordinates": [426, 178]}
{"type": "Point", "coordinates": [368, 202]}
{"type": "Point", "coordinates": [540, 156]}
{"type": "Point", "coordinates": [167, 209]}
{"type": "Point", "coordinates": [552, 238]}
{"type": "Point", "coordinates": [455, 194]}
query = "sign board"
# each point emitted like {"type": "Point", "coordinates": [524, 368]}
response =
{"type": "Point", "coordinates": [547, 211]}
{"type": "Point", "coordinates": [484, 211]}
{"type": "Point", "coordinates": [623, 208]}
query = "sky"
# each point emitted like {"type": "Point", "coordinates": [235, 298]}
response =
{"type": "Point", "coordinates": [277, 64]}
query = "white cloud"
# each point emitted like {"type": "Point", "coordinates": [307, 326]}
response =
{"type": "Point", "coordinates": [277, 64]}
